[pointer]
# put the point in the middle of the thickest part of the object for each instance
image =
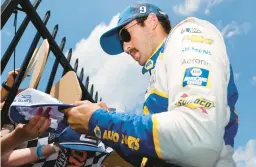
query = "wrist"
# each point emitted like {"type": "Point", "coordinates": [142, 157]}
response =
{"type": "Point", "coordinates": [44, 151]}
{"type": "Point", "coordinates": [18, 134]}
{"type": "Point", "coordinates": [9, 84]}
{"type": "Point", "coordinates": [94, 128]}
{"type": "Point", "coordinates": [6, 86]}
{"type": "Point", "coordinates": [39, 152]}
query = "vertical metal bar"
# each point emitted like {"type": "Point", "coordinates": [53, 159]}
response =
{"type": "Point", "coordinates": [16, 39]}
{"type": "Point", "coordinates": [76, 65]}
{"type": "Point", "coordinates": [96, 97]}
{"type": "Point", "coordinates": [6, 10]}
{"type": "Point", "coordinates": [91, 91]}
{"type": "Point", "coordinates": [87, 83]}
{"type": "Point", "coordinates": [81, 76]}
{"type": "Point", "coordinates": [55, 67]}
{"type": "Point", "coordinates": [55, 31]}
{"type": "Point", "coordinates": [68, 58]}
{"type": "Point", "coordinates": [18, 79]}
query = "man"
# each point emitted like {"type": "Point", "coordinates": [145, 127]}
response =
{"type": "Point", "coordinates": [186, 108]}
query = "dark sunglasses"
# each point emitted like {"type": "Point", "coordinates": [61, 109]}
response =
{"type": "Point", "coordinates": [124, 34]}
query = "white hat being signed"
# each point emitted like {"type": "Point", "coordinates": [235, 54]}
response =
{"type": "Point", "coordinates": [26, 103]}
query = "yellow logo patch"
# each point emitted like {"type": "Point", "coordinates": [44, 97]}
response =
{"type": "Point", "coordinates": [194, 103]}
{"type": "Point", "coordinates": [149, 65]}
{"type": "Point", "coordinates": [131, 142]}
{"type": "Point", "coordinates": [199, 39]}
{"type": "Point", "coordinates": [97, 132]}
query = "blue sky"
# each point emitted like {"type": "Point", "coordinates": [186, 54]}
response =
{"type": "Point", "coordinates": [119, 80]}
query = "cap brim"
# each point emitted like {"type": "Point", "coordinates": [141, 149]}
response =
{"type": "Point", "coordinates": [82, 147]}
{"type": "Point", "coordinates": [110, 41]}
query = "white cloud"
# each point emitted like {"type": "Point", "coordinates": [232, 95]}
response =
{"type": "Point", "coordinates": [254, 80]}
{"type": "Point", "coordinates": [189, 7]}
{"type": "Point", "coordinates": [118, 79]}
{"type": "Point", "coordinates": [246, 157]}
{"type": "Point", "coordinates": [234, 29]}
{"type": "Point", "coordinates": [236, 76]}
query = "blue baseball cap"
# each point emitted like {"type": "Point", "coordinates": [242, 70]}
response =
{"type": "Point", "coordinates": [110, 41]}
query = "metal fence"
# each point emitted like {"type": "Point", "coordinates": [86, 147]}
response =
{"type": "Point", "coordinates": [10, 7]}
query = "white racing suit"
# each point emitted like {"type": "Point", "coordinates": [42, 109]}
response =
{"type": "Point", "coordinates": [186, 109]}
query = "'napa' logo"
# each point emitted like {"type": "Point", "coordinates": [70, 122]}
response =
{"type": "Point", "coordinates": [196, 76]}
{"type": "Point", "coordinates": [97, 132]}
{"type": "Point", "coordinates": [196, 72]}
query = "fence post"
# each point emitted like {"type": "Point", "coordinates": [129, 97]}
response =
{"type": "Point", "coordinates": [76, 65]}
{"type": "Point", "coordinates": [96, 97]}
{"type": "Point", "coordinates": [18, 79]}
{"type": "Point", "coordinates": [68, 58]}
{"type": "Point", "coordinates": [81, 76]}
{"type": "Point", "coordinates": [91, 92]}
{"type": "Point", "coordinates": [16, 39]}
{"type": "Point", "coordinates": [87, 83]}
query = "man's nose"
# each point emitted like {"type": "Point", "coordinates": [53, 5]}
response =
{"type": "Point", "coordinates": [127, 46]}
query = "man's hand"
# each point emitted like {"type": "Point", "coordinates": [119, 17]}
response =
{"type": "Point", "coordinates": [10, 77]}
{"type": "Point", "coordinates": [79, 116]}
{"type": "Point", "coordinates": [103, 105]}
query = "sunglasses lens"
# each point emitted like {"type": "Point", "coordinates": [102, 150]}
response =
{"type": "Point", "coordinates": [124, 35]}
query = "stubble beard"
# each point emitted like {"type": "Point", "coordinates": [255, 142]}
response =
{"type": "Point", "coordinates": [149, 48]}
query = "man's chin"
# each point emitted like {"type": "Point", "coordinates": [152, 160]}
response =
{"type": "Point", "coordinates": [141, 63]}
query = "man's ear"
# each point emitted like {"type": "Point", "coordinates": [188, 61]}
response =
{"type": "Point", "coordinates": [153, 20]}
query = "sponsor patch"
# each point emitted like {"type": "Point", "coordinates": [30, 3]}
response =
{"type": "Point", "coordinates": [23, 98]}
{"type": "Point", "coordinates": [195, 61]}
{"type": "Point", "coordinates": [198, 39]}
{"type": "Point", "coordinates": [131, 142]}
{"type": "Point", "coordinates": [195, 102]}
{"type": "Point", "coordinates": [197, 50]}
{"type": "Point", "coordinates": [190, 30]}
{"type": "Point", "coordinates": [97, 132]}
{"type": "Point", "coordinates": [149, 65]}
{"type": "Point", "coordinates": [195, 76]}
